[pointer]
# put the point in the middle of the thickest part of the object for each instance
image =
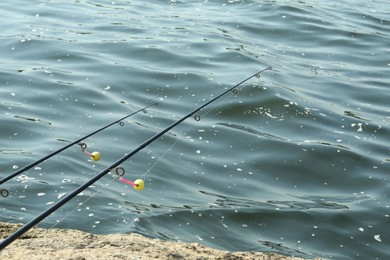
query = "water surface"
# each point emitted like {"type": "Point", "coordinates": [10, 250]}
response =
{"type": "Point", "coordinates": [295, 162]}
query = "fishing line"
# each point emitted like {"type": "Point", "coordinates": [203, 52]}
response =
{"type": "Point", "coordinates": [82, 203]}
{"type": "Point", "coordinates": [196, 117]}
{"type": "Point", "coordinates": [93, 155]}
{"type": "Point", "coordinates": [84, 186]}
{"type": "Point", "coordinates": [120, 171]}
{"type": "Point", "coordinates": [158, 160]}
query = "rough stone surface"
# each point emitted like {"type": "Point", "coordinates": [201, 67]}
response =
{"type": "Point", "coordinates": [76, 245]}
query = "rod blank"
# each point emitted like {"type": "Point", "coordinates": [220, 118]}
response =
{"type": "Point", "coordinates": [29, 166]}
{"type": "Point", "coordinates": [75, 192]}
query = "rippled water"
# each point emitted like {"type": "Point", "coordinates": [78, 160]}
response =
{"type": "Point", "coordinates": [296, 162]}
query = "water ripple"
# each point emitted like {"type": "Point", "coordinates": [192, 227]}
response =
{"type": "Point", "coordinates": [290, 162]}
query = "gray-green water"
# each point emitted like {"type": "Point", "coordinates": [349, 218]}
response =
{"type": "Point", "coordinates": [296, 162]}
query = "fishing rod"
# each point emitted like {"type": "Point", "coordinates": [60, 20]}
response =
{"type": "Point", "coordinates": [94, 155]}
{"type": "Point", "coordinates": [138, 184]}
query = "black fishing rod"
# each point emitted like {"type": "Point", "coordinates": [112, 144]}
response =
{"type": "Point", "coordinates": [74, 193]}
{"type": "Point", "coordinates": [4, 192]}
